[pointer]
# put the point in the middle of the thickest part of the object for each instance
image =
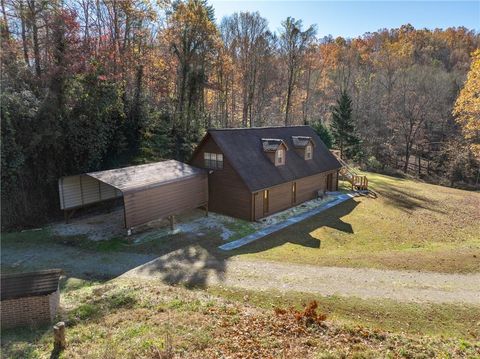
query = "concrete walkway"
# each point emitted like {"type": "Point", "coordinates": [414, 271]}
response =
{"type": "Point", "coordinates": [339, 198]}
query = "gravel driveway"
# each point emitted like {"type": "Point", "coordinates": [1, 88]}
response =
{"type": "Point", "coordinates": [194, 265]}
{"type": "Point", "coordinates": [405, 286]}
{"type": "Point", "coordinates": [76, 262]}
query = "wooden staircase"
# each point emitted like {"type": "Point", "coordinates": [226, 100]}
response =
{"type": "Point", "coordinates": [358, 182]}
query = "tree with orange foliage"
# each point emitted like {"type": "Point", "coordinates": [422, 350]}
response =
{"type": "Point", "coordinates": [467, 106]}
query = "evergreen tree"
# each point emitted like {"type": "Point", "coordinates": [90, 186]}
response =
{"type": "Point", "coordinates": [324, 133]}
{"type": "Point", "coordinates": [343, 128]}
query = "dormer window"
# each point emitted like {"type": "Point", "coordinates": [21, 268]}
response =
{"type": "Point", "coordinates": [275, 149]}
{"type": "Point", "coordinates": [308, 152]}
{"type": "Point", "coordinates": [280, 157]}
{"type": "Point", "coordinates": [303, 146]}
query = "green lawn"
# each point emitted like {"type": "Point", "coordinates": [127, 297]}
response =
{"type": "Point", "coordinates": [410, 225]}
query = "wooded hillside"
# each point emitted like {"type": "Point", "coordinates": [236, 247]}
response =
{"type": "Point", "coordinates": [89, 85]}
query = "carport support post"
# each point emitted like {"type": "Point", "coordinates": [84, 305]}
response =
{"type": "Point", "coordinates": [172, 222]}
{"type": "Point", "coordinates": [68, 214]}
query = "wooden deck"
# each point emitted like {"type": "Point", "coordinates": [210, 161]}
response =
{"type": "Point", "coordinates": [358, 182]}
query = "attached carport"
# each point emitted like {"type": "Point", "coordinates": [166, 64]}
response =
{"type": "Point", "coordinates": [151, 191]}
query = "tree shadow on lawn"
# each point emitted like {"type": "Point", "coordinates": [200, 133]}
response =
{"type": "Point", "coordinates": [299, 233]}
{"type": "Point", "coordinates": [405, 200]}
{"type": "Point", "coordinates": [17, 342]}
{"type": "Point", "coordinates": [195, 262]}
{"type": "Point", "coordinates": [187, 258]}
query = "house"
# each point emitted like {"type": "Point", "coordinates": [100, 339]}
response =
{"type": "Point", "coordinates": [255, 172]}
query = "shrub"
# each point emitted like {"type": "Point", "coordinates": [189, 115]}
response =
{"type": "Point", "coordinates": [84, 311]}
{"type": "Point", "coordinates": [373, 164]}
{"type": "Point", "coordinates": [123, 299]}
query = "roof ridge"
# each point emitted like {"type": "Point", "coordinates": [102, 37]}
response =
{"type": "Point", "coordinates": [253, 128]}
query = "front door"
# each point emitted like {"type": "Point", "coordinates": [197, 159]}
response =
{"type": "Point", "coordinates": [329, 182]}
{"type": "Point", "coordinates": [266, 195]}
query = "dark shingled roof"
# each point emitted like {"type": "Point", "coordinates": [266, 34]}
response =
{"type": "Point", "coordinates": [301, 141]}
{"type": "Point", "coordinates": [30, 284]}
{"type": "Point", "coordinates": [243, 149]}
{"type": "Point", "coordinates": [272, 144]}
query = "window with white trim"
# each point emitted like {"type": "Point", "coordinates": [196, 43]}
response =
{"type": "Point", "coordinates": [213, 161]}
{"type": "Point", "coordinates": [308, 152]}
{"type": "Point", "coordinates": [280, 157]}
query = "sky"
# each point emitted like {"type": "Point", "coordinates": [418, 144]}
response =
{"type": "Point", "coordinates": [354, 18]}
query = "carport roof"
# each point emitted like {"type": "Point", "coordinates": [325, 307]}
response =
{"type": "Point", "coordinates": [146, 176]}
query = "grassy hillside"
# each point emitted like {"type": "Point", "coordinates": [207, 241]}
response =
{"type": "Point", "coordinates": [410, 225]}
{"type": "Point", "coordinates": [137, 319]}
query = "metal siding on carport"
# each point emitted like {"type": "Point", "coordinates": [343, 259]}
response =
{"type": "Point", "coordinates": [80, 190]}
{"type": "Point", "coordinates": [166, 200]}
{"type": "Point", "coordinates": [150, 191]}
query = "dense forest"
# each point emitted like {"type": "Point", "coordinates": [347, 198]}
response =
{"type": "Point", "coordinates": [93, 84]}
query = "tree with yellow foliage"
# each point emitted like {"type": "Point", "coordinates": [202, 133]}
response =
{"type": "Point", "coordinates": [467, 106]}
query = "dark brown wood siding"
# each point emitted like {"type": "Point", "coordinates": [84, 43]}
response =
{"type": "Point", "coordinates": [227, 192]}
{"type": "Point", "coordinates": [280, 197]}
{"type": "Point", "coordinates": [165, 200]}
{"type": "Point", "coordinates": [308, 187]}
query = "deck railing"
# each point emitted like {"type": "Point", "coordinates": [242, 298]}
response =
{"type": "Point", "coordinates": [359, 182]}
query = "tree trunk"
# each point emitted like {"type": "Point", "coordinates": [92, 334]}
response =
{"type": "Point", "coordinates": [307, 98]}
{"type": "Point", "coordinates": [24, 35]}
{"type": "Point", "coordinates": [244, 110]}
{"type": "Point", "coordinates": [36, 46]}
{"type": "Point", "coordinates": [5, 20]}
{"type": "Point", "coordinates": [407, 158]}
{"type": "Point", "coordinates": [289, 95]}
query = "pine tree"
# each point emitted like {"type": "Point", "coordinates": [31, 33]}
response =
{"type": "Point", "coordinates": [343, 128]}
{"type": "Point", "coordinates": [324, 133]}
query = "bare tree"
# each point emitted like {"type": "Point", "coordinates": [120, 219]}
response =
{"type": "Point", "coordinates": [293, 45]}
{"type": "Point", "coordinates": [248, 40]}
{"type": "Point", "coordinates": [420, 96]}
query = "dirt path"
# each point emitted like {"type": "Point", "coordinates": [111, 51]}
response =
{"type": "Point", "coordinates": [405, 286]}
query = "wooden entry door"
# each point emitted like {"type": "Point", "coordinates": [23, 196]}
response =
{"type": "Point", "coordinates": [329, 182]}
{"type": "Point", "coordinates": [266, 198]}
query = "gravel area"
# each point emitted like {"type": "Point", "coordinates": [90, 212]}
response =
{"type": "Point", "coordinates": [106, 224]}
{"type": "Point", "coordinates": [405, 286]}
{"type": "Point", "coordinates": [76, 262]}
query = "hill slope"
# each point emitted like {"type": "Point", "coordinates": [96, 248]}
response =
{"type": "Point", "coordinates": [410, 225]}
